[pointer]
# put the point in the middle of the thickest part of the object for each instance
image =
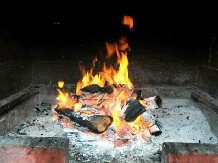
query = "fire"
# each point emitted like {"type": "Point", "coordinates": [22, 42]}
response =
{"type": "Point", "coordinates": [65, 101]}
{"type": "Point", "coordinates": [113, 104]}
{"type": "Point", "coordinates": [61, 84]}
{"type": "Point", "coordinates": [108, 74]}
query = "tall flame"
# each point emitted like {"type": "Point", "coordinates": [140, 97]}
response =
{"type": "Point", "coordinates": [112, 76]}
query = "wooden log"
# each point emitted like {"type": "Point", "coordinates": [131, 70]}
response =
{"type": "Point", "coordinates": [134, 109]}
{"type": "Point", "coordinates": [96, 123]}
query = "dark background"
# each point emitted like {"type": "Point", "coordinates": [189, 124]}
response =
{"type": "Point", "coordinates": [170, 42]}
{"type": "Point", "coordinates": [180, 19]}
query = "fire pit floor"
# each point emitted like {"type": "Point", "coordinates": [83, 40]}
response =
{"type": "Point", "coordinates": [179, 119]}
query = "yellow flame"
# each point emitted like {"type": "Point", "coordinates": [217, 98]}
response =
{"type": "Point", "coordinates": [65, 101]}
{"type": "Point", "coordinates": [61, 84]}
{"type": "Point", "coordinates": [135, 125]}
{"type": "Point", "coordinates": [116, 112]}
{"type": "Point", "coordinates": [109, 74]}
{"type": "Point", "coordinates": [77, 106]}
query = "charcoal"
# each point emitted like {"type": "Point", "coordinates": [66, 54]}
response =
{"type": "Point", "coordinates": [139, 94]}
{"type": "Point", "coordinates": [93, 88]}
{"type": "Point", "coordinates": [134, 109]}
{"type": "Point", "coordinates": [107, 89]}
{"type": "Point", "coordinates": [42, 107]}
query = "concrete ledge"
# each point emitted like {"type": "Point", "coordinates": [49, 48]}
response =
{"type": "Point", "coordinates": [205, 98]}
{"type": "Point", "coordinates": [16, 98]}
{"type": "Point", "coordinates": [175, 152]}
{"type": "Point", "coordinates": [15, 115]}
{"type": "Point", "coordinates": [208, 106]}
{"type": "Point", "coordinates": [34, 149]}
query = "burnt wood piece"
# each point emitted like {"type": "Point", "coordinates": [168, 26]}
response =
{"type": "Point", "coordinates": [96, 123]}
{"type": "Point", "coordinates": [134, 109]}
{"type": "Point", "coordinates": [158, 101]}
{"type": "Point", "coordinates": [95, 88]}
{"type": "Point", "coordinates": [107, 89]}
{"type": "Point", "coordinates": [139, 94]}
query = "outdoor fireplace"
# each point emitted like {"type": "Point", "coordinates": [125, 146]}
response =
{"type": "Point", "coordinates": [161, 68]}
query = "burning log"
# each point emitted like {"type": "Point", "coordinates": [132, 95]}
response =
{"type": "Point", "coordinates": [96, 123]}
{"type": "Point", "coordinates": [133, 110]}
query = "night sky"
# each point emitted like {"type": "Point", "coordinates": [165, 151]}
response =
{"type": "Point", "coordinates": [74, 19]}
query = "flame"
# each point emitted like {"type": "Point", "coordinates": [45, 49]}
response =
{"type": "Point", "coordinates": [77, 106]}
{"type": "Point", "coordinates": [135, 125]}
{"type": "Point", "coordinates": [128, 20]}
{"type": "Point", "coordinates": [110, 75]}
{"type": "Point", "coordinates": [61, 84]}
{"type": "Point", "coordinates": [65, 101]}
{"type": "Point", "coordinates": [119, 123]}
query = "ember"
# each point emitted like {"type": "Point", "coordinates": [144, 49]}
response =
{"type": "Point", "coordinates": [108, 100]}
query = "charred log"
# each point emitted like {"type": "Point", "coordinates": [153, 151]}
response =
{"type": "Point", "coordinates": [95, 88]}
{"type": "Point", "coordinates": [134, 109]}
{"type": "Point", "coordinates": [107, 88]}
{"type": "Point", "coordinates": [158, 101]}
{"type": "Point", "coordinates": [96, 123]}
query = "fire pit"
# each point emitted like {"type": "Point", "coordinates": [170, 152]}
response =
{"type": "Point", "coordinates": [180, 120]}
{"type": "Point", "coordinates": [105, 117]}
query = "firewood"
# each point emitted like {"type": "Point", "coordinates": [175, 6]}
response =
{"type": "Point", "coordinates": [139, 94]}
{"type": "Point", "coordinates": [96, 123]}
{"type": "Point", "coordinates": [134, 109]}
{"type": "Point", "coordinates": [152, 103]}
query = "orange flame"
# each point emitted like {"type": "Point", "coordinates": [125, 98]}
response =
{"type": "Point", "coordinates": [128, 20]}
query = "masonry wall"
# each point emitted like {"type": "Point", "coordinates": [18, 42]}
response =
{"type": "Point", "coordinates": [207, 75]}
{"type": "Point", "coordinates": [15, 64]}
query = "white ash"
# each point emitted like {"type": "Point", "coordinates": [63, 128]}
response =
{"type": "Point", "coordinates": [180, 121]}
